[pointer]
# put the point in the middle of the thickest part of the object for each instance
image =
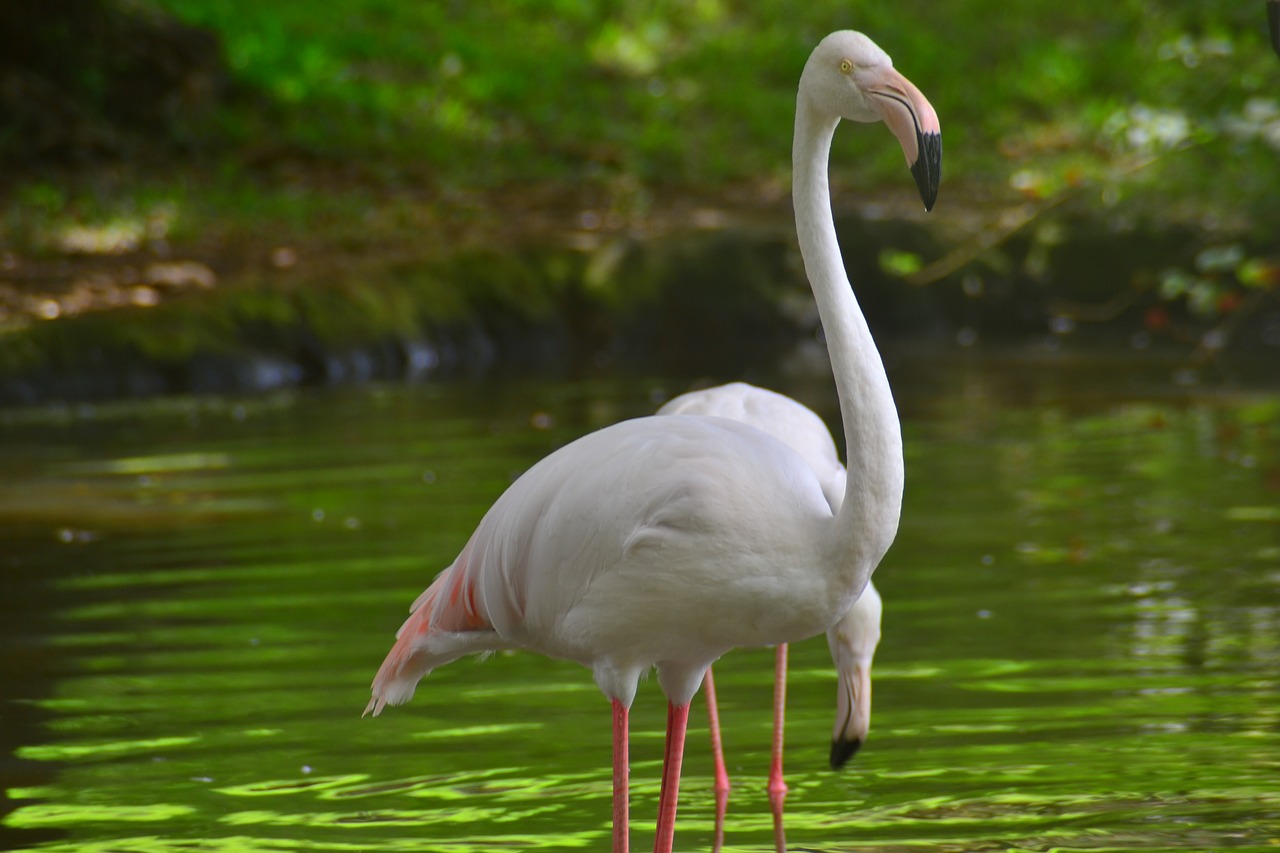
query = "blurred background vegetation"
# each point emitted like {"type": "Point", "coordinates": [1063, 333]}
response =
{"type": "Point", "coordinates": [382, 155]}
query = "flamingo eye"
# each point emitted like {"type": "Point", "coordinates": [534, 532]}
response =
{"type": "Point", "coordinates": [845, 66]}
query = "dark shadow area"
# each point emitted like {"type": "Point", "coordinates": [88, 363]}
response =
{"type": "Point", "coordinates": [83, 80]}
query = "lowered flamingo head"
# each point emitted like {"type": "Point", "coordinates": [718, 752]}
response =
{"type": "Point", "coordinates": [853, 642]}
{"type": "Point", "coordinates": [849, 74]}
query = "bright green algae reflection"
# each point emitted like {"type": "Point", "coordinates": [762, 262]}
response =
{"type": "Point", "coordinates": [1081, 642]}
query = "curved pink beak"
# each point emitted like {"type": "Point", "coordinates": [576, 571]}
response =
{"type": "Point", "coordinates": [913, 121]}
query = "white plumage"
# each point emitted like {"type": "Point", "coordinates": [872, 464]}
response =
{"type": "Point", "coordinates": [853, 639]}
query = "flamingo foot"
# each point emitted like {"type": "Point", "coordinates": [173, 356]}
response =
{"type": "Point", "coordinates": [722, 807]}
{"type": "Point", "coordinates": [777, 798]}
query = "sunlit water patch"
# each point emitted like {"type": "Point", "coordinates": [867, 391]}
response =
{"type": "Point", "coordinates": [1081, 642]}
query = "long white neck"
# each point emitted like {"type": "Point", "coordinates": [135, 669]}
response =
{"type": "Point", "coordinates": [867, 521]}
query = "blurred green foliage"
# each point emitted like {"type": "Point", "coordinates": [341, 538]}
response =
{"type": "Point", "coordinates": [698, 92]}
{"type": "Point", "coordinates": [1173, 101]}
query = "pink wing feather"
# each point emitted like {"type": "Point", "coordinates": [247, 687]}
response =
{"type": "Point", "coordinates": [447, 621]}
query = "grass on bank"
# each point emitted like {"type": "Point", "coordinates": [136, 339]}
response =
{"type": "Point", "coordinates": [701, 92]}
{"type": "Point", "coordinates": [698, 91]}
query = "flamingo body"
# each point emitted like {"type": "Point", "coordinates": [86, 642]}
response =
{"type": "Point", "coordinates": [612, 552]}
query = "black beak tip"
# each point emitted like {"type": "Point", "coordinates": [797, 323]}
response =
{"type": "Point", "coordinates": [842, 751]}
{"type": "Point", "coordinates": [927, 169]}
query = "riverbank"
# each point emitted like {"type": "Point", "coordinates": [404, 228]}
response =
{"type": "Point", "coordinates": [540, 279]}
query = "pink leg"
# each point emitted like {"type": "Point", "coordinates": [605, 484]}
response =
{"type": "Point", "coordinates": [717, 752]}
{"type": "Point", "coordinates": [677, 724]}
{"type": "Point", "coordinates": [777, 787]}
{"type": "Point", "coordinates": [621, 775]}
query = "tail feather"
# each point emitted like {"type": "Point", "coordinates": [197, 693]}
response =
{"type": "Point", "coordinates": [445, 623]}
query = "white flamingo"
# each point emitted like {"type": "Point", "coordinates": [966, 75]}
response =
{"type": "Point", "coordinates": [666, 541]}
{"type": "Point", "coordinates": [852, 640]}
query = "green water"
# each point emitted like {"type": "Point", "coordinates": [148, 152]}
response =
{"type": "Point", "coordinates": [1081, 643]}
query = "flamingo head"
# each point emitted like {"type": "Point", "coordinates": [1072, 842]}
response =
{"type": "Point", "coordinates": [849, 75]}
{"type": "Point", "coordinates": [853, 642]}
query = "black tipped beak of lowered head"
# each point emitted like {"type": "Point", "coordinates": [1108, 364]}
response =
{"type": "Point", "coordinates": [842, 751]}
{"type": "Point", "coordinates": [927, 170]}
